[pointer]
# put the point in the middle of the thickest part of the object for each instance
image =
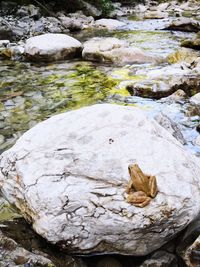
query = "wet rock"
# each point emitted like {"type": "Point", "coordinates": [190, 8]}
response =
{"type": "Point", "coordinates": [189, 244]}
{"type": "Point", "coordinates": [50, 47]}
{"type": "Point", "coordinates": [113, 50]}
{"type": "Point", "coordinates": [161, 259]}
{"type": "Point", "coordinates": [184, 24]}
{"type": "Point", "coordinates": [155, 15]}
{"type": "Point", "coordinates": [165, 81]}
{"type": "Point", "coordinates": [183, 55]}
{"type": "Point", "coordinates": [171, 126]}
{"type": "Point", "coordinates": [68, 175]}
{"type": "Point", "coordinates": [110, 24]}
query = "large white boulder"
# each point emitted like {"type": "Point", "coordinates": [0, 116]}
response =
{"type": "Point", "coordinates": [51, 46]}
{"type": "Point", "coordinates": [113, 50]}
{"type": "Point", "coordinates": [68, 176]}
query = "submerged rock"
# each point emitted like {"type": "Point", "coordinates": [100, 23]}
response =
{"type": "Point", "coordinates": [50, 47]}
{"type": "Point", "coordinates": [68, 176]}
{"type": "Point", "coordinates": [113, 50]}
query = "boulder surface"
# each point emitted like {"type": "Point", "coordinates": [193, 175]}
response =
{"type": "Point", "coordinates": [113, 50]}
{"type": "Point", "coordinates": [49, 47]}
{"type": "Point", "coordinates": [68, 176]}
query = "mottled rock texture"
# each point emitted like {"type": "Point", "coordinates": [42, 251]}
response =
{"type": "Point", "coordinates": [68, 176]}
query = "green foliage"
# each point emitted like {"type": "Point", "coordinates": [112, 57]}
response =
{"type": "Point", "coordinates": [106, 7]}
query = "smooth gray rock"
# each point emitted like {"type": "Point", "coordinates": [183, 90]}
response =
{"type": "Point", "coordinates": [68, 176]}
{"type": "Point", "coordinates": [50, 47]}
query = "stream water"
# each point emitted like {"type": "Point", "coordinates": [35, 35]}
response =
{"type": "Point", "coordinates": [30, 93]}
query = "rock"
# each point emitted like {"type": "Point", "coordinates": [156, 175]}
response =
{"type": "Point", "coordinates": [155, 15]}
{"type": "Point", "coordinates": [192, 43]}
{"type": "Point", "coordinates": [195, 99]}
{"type": "Point", "coordinates": [176, 96]}
{"type": "Point", "coordinates": [12, 254]}
{"type": "Point", "coordinates": [30, 11]}
{"type": "Point", "coordinates": [90, 10]}
{"type": "Point", "coordinates": [189, 244]}
{"type": "Point", "coordinates": [5, 31]}
{"type": "Point", "coordinates": [163, 7]}
{"type": "Point", "coordinates": [198, 128]}
{"type": "Point", "coordinates": [68, 175]}
{"type": "Point", "coordinates": [140, 8]}
{"type": "Point", "coordinates": [183, 55]}
{"type": "Point", "coordinates": [113, 50]}
{"type": "Point", "coordinates": [163, 82]}
{"type": "Point", "coordinates": [110, 24]}
{"type": "Point", "coordinates": [184, 24]}
{"type": "Point", "coordinates": [161, 259]}
{"type": "Point", "coordinates": [2, 139]}
{"type": "Point", "coordinates": [50, 47]}
{"type": "Point", "coordinates": [76, 21]}
{"type": "Point", "coordinates": [171, 126]}
{"type": "Point", "coordinates": [4, 43]}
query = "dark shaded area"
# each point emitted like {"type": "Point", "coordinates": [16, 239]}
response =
{"type": "Point", "coordinates": [20, 231]}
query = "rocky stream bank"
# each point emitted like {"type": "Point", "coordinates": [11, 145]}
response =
{"type": "Point", "coordinates": [145, 57]}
